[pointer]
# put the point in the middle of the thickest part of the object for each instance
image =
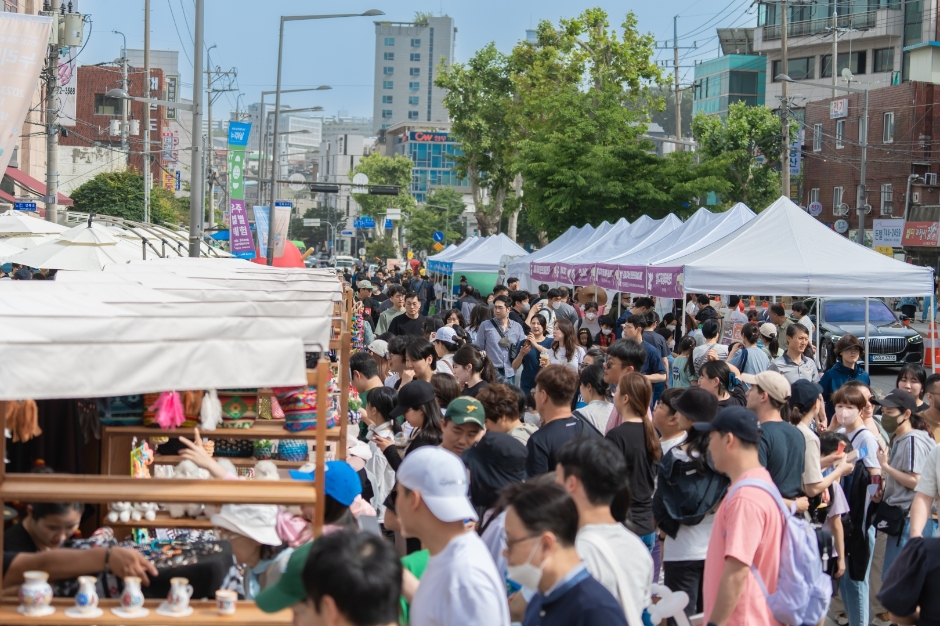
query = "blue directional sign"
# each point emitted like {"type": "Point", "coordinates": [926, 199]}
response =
{"type": "Point", "coordinates": [347, 233]}
{"type": "Point", "coordinates": [364, 222]}
{"type": "Point", "coordinates": [24, 206]}
{"type": "Point", "coordinates": [388, 224]}
{"type": "Point", "coordinates": [179, 181]}
{"type": "Point", "coordinates": [438, 236]}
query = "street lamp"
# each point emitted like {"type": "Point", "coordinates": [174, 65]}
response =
{"type": "Point", "coordinates": [264, 118]}
{"type": "Point", "coordinates": [277, 100]}
{"type": "Point", "coordinates": [120, 93]}
{"type": "Point", "coordinates": [861, 205]}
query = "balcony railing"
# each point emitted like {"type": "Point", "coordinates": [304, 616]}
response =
{"type": "Point", "coordinates": [822, 24]}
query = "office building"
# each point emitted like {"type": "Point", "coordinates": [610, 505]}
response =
{"type": "Point", "coordinates": [407, 56]}
{"type": "Point", "coordinates": [432, 150]}
{"type": "Point", "coordinates": [339, 154]}
{"type": "Point", "coordinates": [728, 79]}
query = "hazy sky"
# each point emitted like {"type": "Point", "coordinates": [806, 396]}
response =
{"type": "Point", "coordinates": [340, 52]}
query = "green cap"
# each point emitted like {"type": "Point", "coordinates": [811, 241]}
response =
{"type": "Point", "coordinates": [289, 590]}
{"type": "Point", "coordinates": [466, 410]}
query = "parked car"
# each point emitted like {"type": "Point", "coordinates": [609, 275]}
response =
{"type": "Point", "coordinates": [342, 262]}
{"type": "Point", "coordinates": [890, 341]}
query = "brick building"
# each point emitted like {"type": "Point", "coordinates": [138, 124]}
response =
{"type": "Point", "coordinates": [94, 112]}
{"type": "Point", "coordinates": [903, 139]}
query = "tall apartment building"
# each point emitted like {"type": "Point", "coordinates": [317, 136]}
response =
{"type": "Point", "coordinates": [872, 40]}
{"type": "Point", "coordinates": [407, 55]}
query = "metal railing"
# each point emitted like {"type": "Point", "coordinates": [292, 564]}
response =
{"type": "Point", "coordinates": [822, 24]}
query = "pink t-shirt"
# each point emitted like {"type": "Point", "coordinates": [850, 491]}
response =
{"type": "Point", "coordinates": [616, 420]}
{"type": "Point", "coordinates": [748, 528]}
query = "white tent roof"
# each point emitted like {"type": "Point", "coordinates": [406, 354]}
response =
{"type": "Point", "coordinates": [546, 268]}
{"type": "Point", "coordinates": [807, 259]}
{"type": "Point", "coordinates": [450, 251]}
{"type": "Point", "coordinates": [486, 256]}
{"type": "Point", "coordinates": [20, 223]}
{"type": "Point", "coordinates": [520, 267]}
{"type": "Point", "coordinates": [696, 237]}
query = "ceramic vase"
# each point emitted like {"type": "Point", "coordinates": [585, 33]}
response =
{"type": "Point", "coordinates": [86, 600]}
{"type": "Point", "coordinates": [132, 598]}
{"type": "Point", "coordinates": [35, 593]}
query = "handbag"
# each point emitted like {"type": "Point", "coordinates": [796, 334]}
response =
{"type": "Point", "coordinates": [889, 519]}
{"type": "Point", "coordinates": [512, 348]}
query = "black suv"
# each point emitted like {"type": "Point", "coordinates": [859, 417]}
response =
{"type": "Point", "coordinates": [890, 342]}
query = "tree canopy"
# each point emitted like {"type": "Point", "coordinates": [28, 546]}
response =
{"type": "Point", "coordinates": [121, 194]}
{"type": "Point", "coordinates": [383, 170]}
{"type": "Point", "coordinates": [442, 213]}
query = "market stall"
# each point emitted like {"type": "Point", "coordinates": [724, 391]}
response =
{"type": "Point", "coordinates": [545, 269]}
{"type": "Point", "coordinates": [520, 267]}
{"type": "Point", "coordinates": [481, 263]}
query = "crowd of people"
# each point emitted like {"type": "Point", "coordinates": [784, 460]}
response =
{"type": "Point", "coordinates": [541, 460]}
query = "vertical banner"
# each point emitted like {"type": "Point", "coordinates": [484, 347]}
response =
{"type": "Point", "coordinates": [24, 41]}
{"type": "Point", "coordinates": [238, 133]}
{"type": "Point", "coordinates": [263, 226]}
{"type": "Point", "coordinates": [68, 88]}
{"type": "Point", "coordinates": [262, 217]}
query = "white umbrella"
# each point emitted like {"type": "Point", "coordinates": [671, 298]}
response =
{"type": "Point", "coordinates": [25, 242]}
{"type": "Point", "coordinates": [17, 223]}
{"type": "Point", "coordinates": [8, 250]}
{"type": "Point", "coordinates": [79, 248]}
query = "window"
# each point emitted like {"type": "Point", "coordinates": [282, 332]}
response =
{"type": "Point", "coordinates": [856, 62]}
{"type": "Point", "coordinates": [414, 86]}
{"type": "Point", "coordinates": [389, 41]}
{"type": "Point", "coordinates": [887, 200]}
{"type": "Point", "coordinates": [798, 69]}
{"type": "Point", "coordinates": [742, 82]}
{"type": "Point", "coordinates": [388, 84]}
{"type": "Point", "coordinates": [887, 135]}
{"type": "Point", "coordinates": [884, 60]}
{"type": "Point", "coordinates": [412, 115]}
{"type": "Point", "coordinates": [386, 99]}
{"type": "Point", "coordinates": [386, 113]}
{"type": "Point", "coordinates": [840, 133]}
{"type": "Point", "coordinates": [10, 6]}
{"type": "Point", "coordinates": [415, 71]}
{"type": "Point", "coordinates": [415, 57]}
{"type": "Point", "coordinates": [389, 56]}
{"type": "Point", "coordinates": [415, 43]}
{"type": "Point", "coordinates": [837, 200]}
{"type": "Point", "coordinates": [388, 71]}
{"type": "Point", "coordinates": [817, 137]}
{"type": "Point", "coordinates": [814, 195]}
{"type": "Point", "coordinates": [107, 106]}
{"type": "Point", "coordinates": [913, 22]}
{"type": "Point", "coordinates": [413, 100]}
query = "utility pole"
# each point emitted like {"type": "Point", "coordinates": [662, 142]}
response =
{"type": "Point", "coordinates": [196, 196]}
{"type": "Point", "coordinates": [124, 103]}
{"type": "Point", "coordinates": [861, 201]}
{"type": "Point", "coordinates": [835, 47]}
{"type": "Point", "coordinates": [148, 95]}
{"type": "Point", "coordinates": [784, 104]}
{"type": "Point", "coordinates": [675, 69]}
{"type": "Point", "coordinates": [52, 130]}
{"type": "Point", "coordinates": [210, 98]}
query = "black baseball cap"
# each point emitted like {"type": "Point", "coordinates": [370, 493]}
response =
{"type": "Point", "coordinates": [737, 420]}
{"type": "Point", "coordinates": [898, 399]}
{"type": "Point", "coordinates": [696, 404]}
{"type": "Point", "coordinates": [413, 395]}
{"type": "Point", "coordinates": [804, 393]}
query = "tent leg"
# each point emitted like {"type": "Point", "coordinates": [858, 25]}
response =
{"type": "Point", "coordinates": [818, 362]}
{"type": "Point", "coordinates": [684, 296]}
{"type": "Point", "coordinates": [867, 337]}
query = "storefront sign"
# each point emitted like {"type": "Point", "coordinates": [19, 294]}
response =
{"type": "Point", "coordinates": [888, 233]}
{"type": "Point", "coordinates": [421, 135]}
{"type": "Point", "coordinates": [888, 251]}
{"type": "Point", "coordinates": [839, 108]}
{"type": "Point", "coordinates": [924, 234]}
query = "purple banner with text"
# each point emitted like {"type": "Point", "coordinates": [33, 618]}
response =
{"type": "Point", "coordinates": [240, 239]}
{"type": "Point", "coordinates": [665, 282]}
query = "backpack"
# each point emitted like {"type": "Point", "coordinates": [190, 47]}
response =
{"type": "Point", "coordinates": [803, 590]}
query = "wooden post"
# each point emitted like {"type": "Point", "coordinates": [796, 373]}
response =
{"type": "Point", "coordinates": [323, 386]}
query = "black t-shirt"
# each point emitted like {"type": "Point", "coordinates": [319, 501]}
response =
{"type": "Point", "coordinates": [545, 442]}
{"type": "Point", "coordinates": [475, 389]}
{"type": "Point", "coordinates": [738, 397]}
{"type": "Point", "coordinates": [404, 325]}
{"type": "Point", "coordinates": [370, 311]}
{"type": "Point", "coordinates": [518, 317]}
{"type": "Point", "coordinates": [16, 540]}
{"type": "Point", "coordinates": [630, 439]}
{"type": "Point", "coordinates": [781, 451]}
{"type": "Point", "coordinates": [913, 581]}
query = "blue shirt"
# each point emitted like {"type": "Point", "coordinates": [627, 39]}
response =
{"type": "Point", "coordinates": [530, 366]}
{"type": "Point", "coordinates": [488, 340]}
{"type": "Point", "coordinates": [654, 365]}
{"type": "Point", "coordinates": [576, 600]}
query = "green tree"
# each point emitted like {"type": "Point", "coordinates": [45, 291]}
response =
{"type": "Point", "coordinates": [383, 170]}
{"type": "Point", "coordinates": [479, 100]}
{"type": "Point", "coordinates": [730, 149]}
{"type": "Point", "coordinates": [382, 248]}
{"type": "Point", "coordinates": [121, 194]}
{"type": "Point", "coordinates": [442, 213]}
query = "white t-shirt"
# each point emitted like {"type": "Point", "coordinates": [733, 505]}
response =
{"type": "Point", "coordinates": [808, 325]}
{"type": "Point", "coordinates": [668, 444]}
{"type": "Point", "coordinates": [494, 536]}
{"type": "Point", "coordinates": [621, 562]}
{"type": "Point", "coordinates": [561, 357]}
{"type": "Point", "coordinates": [461, 586]}
{"type": "Point", "coordinates": [700, 355]}
{"type": "Point", "coordinates": [691, 542]}
{"type": "Point", "coordinates": [737, 317]}
{"type": "Point", "coordinates": [863, 437]}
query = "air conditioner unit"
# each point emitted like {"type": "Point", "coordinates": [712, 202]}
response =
{"type": "Point", "coordinates": [842, 209]}
{"type": "Point", "coordinates": [915, 197]}
{"type": "Point", "coordinates": [930, 179]}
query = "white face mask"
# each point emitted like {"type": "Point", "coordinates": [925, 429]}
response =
{"type": "Point", "coordinates": [606, 331]}
{"type": "Point", "coordinates": [556, 306]}
{"type": "Point", "coordinates": [671, 343]}
{"type": "Point", "coordinates": [526, 574]}
{"type": "Point", "coordinates": [591, 316]}
{"type": "Point", "coordinates": [846, 416]}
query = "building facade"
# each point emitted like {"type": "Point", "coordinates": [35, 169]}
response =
{"type": "Point", "coordinates": [903, 140]}
{"type": "Point", "coordinates": [728, 79]}
{"type": "Point", "coordinates": [432, 150]}
{"type": "Point", "coordinates": [407, 56]}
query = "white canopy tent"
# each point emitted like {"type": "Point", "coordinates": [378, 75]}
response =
{"type": "Point", "coordinates": [485, 256]}
{"type": "Point", "coordinates": [546, 268]}
{"type": "Point", "coordinates": [520, 267]}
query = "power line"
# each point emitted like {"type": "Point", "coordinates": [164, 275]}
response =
{"type": "Point", "coordinates": [178, 36]}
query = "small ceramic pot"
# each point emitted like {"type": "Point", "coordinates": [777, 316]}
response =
{"type": "Point", "coordinates": [225, 600]}
{"type": "Point", "coordinates": [180, 592]}
{"type": "Point", "coordinates": [86, 600]}
{"type": "Point", "coordinates": [132, 598]}
{"type": "Point", "coordinates": [35, 593]}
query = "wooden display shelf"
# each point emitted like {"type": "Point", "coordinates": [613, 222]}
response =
{"type": "Point", "coordinates": [262, 429]}
{"type": "Point", "coordinates": [103, 489]}
{"type": "Point", "coordinates": [204, 612]}
{"type": "Point", "coordinates": [165, 521]}
{"type": "Point", "coordinates": [172, 459]}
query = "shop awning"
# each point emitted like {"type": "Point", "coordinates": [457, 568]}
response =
{"type": "Point", "coordinates": [27, 181]}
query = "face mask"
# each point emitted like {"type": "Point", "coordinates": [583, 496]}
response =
{"type": "Point", "coordinates": [526, 308]}
{"type": "Point", "coordinates": [671, 343]}
{"type": "Point", "coordinates": [606, 331]}
{"type": "Point", "coordinates": [846, 416]}
{"type": "Point", "coordinates": [556, 306]}
{"type": "Point", "coordinates": [890, 422]}
{"type": "Point", "coordinates": [526, 574]}
{"type": "Point", "coordinates": [591, 316]}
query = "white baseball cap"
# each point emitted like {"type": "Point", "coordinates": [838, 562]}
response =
{"type": "Point", "coordinates": [255, 521]}
{"type": "Point", "coordinates": [441, 479]}
{"type": "Point", "coordinates": [445, 334]}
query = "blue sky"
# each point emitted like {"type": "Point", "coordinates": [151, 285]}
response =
{"type": "Point", "coordinates": [340, 52]}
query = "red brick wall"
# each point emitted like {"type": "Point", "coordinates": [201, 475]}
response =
{"type": "Point", "coordinates": [91, 128]}
{"type": "Point", "coordinates": [913, 151]}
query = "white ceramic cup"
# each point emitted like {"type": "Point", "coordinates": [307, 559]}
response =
{"type": "Point", "coordinates": [225, 600]}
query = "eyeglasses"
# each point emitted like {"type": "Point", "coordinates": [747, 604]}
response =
{"type": "Point", "coordinates": [511, 542]}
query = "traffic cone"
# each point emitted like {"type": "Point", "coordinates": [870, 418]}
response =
{"type": "Point", "coordinates": [753, 305]}
{"type": "Point", "coordinates": [764, 306]}
{"type": "Point", "coordinates": [931, 346]}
